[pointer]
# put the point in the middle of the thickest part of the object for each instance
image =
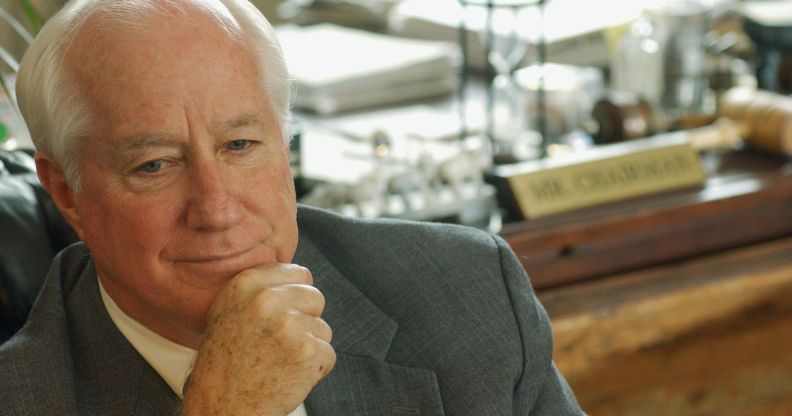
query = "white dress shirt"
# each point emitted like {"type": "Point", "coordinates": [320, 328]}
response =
{"type": "Point", "coordinates": [172, 361]}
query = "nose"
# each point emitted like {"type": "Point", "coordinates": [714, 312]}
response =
{"type": "Point", "coordinates": [213, 204]}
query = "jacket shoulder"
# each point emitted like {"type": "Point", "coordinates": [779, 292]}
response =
{"type": "Point", "coordinates": [463, 303]}
{"type": "Point", "coordinates": [36, 361]}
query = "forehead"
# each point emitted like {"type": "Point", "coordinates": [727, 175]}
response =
{"type": "Point", "coordinates": [119, 35]}
{"type": "Point", "coordinates": [161, 65]}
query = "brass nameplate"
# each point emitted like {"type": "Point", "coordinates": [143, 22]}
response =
{"type": "Point", "coordinates": [605, 174]}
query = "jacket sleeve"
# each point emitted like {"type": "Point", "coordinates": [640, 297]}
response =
{"type": "Point", "coordinates": [541, 390]}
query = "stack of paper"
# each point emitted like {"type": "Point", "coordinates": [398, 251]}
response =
{"type": "Point", "coordinates": [337, 69]}
{"type": "Point", "coordinates": [372, 14]}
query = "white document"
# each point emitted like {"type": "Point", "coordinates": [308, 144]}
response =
{"type": "Point", "coordinates": [336, 68]}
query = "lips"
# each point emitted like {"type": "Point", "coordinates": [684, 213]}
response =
{"type": "Point", "coordinates": [215, 257]}
{"type": "Point", "coordinates": [220, 266]}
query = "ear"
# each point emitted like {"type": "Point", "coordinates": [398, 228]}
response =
{"type": "Point", "coordinates": [54, 181]}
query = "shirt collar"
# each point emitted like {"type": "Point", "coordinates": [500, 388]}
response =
{"type": "Point", "coordinates": [172, 361]}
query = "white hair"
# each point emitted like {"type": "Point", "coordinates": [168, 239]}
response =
{"type": "Point", "coordinates": [49, 96]}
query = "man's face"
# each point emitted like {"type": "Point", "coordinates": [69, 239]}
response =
{"type": "Point", "coordinates": [185, 176]}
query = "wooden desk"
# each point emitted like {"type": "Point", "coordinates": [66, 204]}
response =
{"type": "Point", "coordinates": [708, 336]}
{"type": "Point", "coordinates": [675, 305]}
{"type": "Point", "coordinates": [748, 199]}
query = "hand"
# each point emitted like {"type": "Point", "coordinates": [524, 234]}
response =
{"type": "Point", "coordinates": [265, 348]}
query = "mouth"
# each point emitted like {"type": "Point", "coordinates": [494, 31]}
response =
{"type": "Point", "coordinates": [213, 257]}
{"type": "Point", "coordinates": [219, 266]}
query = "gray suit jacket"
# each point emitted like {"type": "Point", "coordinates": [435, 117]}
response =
{"type": "Point", "coordinates": [427, 320]}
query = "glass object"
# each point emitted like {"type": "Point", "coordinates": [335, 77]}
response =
{"type": "Point", "coordinates": [662, 56]}
{"type": "Point", "coordinates": [502, 31]}
{"type": "Point", "coordinates": [568, 94]}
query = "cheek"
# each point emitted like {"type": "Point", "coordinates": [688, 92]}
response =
{"type": "Point", "coordinates": [271, 189]}
{"type": "Point", "coordinates": [125, 227]}
{"type": "Point", "coordinates": [275, 204]}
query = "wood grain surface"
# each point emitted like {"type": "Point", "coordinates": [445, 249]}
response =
{"type": "Point", "coordinates": [706, 336]}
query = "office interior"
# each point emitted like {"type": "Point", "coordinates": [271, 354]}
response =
{"type": "Point", "coordinates": [635, 154]}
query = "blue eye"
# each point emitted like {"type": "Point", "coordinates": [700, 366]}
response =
{"type": "Point", "coordinates": [238, 144]}
{"type": "Point", "coordinates": [152, 166]}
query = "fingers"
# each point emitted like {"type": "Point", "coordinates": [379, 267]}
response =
{"type": "Point", "coordinates": [328, 361]}
{"type": "Point", "coordinates": [272, 275]}
{"type": "Point", "coordinates": [270, 285]}
{"type": "Point", "coordinates": [322, 330]}
{"type": "Point", "coordinates": [312, 326]}
{"type": "Point", "coordinates": [306, 299]}
{"type": "Point", "coordinates": [309, 340]}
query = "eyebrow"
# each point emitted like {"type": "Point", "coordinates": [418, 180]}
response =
{"type": "Point", "coordinates": [241, 121]}
{"type": "Point", "coordinates": [149, 140]}
{"type": "Point", "coordinates": [145, 141]}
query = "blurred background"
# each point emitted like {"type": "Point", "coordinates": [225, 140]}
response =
{"type": "Point", "coordinates": [634, 153]}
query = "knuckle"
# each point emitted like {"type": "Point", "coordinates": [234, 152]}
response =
{"type": "Point", "coordinates": [330, 360]}
{"type": "Point", "coordinates": [301, 274]}
{"type": "Point", "coordinates": [308, 276]}
{"type": "Point", "coordinates": [312, 295]}
{"type": "Point", "coordinates": [328, 331]}
{"type": "Point", "coordinates": [320, 299]}
{"type": "Point", "coordinates": [290, 322]}
{"type": "Point", "coordinates": [307, 349]}
{"type": "Point", "coordinates": [267, 299]}
{"type": "Point", "coordinates": [331, 356]}
{"type": "Point", "coordinates": [314, 292]}
{"type": "Point", "coordinates": [241, 283]}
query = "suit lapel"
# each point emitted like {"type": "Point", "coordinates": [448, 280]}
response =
{"type": "Point", "coordinates": [359, 326]}
{"type": "Point", "coordinates": [112, 377]}
{"type": "Point", "coordinates": [362, 383]}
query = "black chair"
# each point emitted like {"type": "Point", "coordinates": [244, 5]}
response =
{"type": "Point", "coordinates": [32, 231]}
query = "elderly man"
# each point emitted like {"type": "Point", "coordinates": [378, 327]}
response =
{"type": "Point", "coordinates": [200, 287]}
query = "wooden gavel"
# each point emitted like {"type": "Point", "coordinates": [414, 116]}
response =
{"type": "Point", "coordinates": [765, 118]}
